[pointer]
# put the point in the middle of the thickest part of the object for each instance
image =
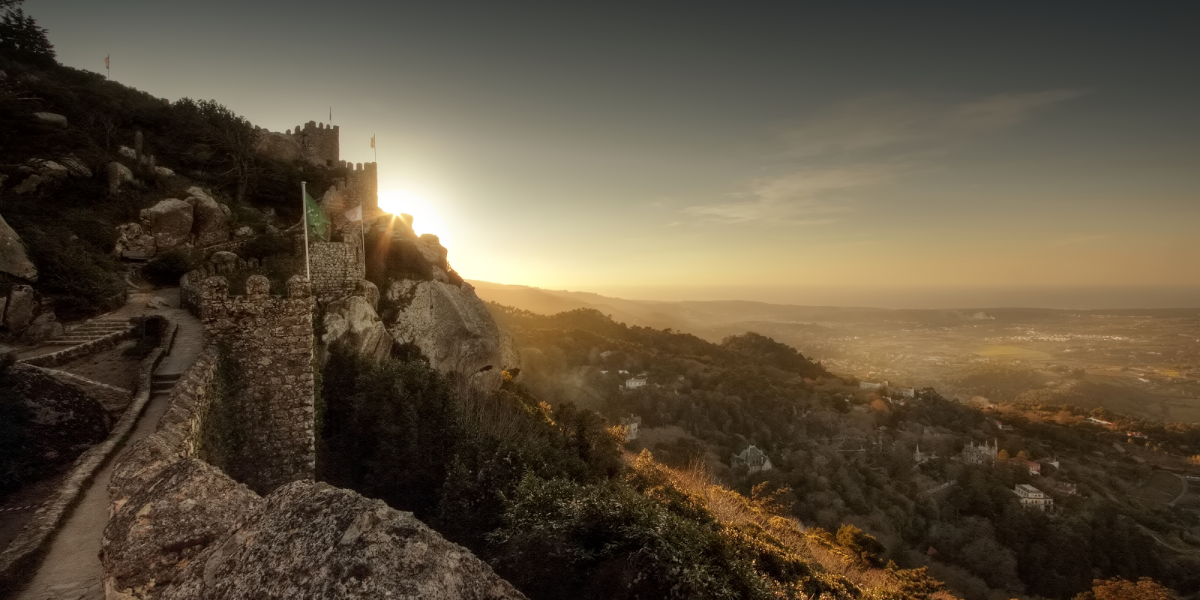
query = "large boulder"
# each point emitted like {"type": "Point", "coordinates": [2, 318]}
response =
{"type": "Point", "coordinates": [52, 119]}
{"type": "Point", "coordinates": [43, 327]}
{"type": "Point", "coordinates": [211, 226]}
{"type": "Point", "coordinates": [64, 421]}
{"type": "Point", "coordinates": [118, 175]}
{"type": "Point", "coordinates": [30, 184]}
{"type": "Point", "coordinates": [449, 323]}
{"type": "Point", "coordinates": [277, 146]}
{"type": "Point", "coordinates": [353, 322]}
{"type": "Point", "coordinates": [20, 310]}
{"type": "Point", "coordinates": [134, 242]}
{"type": "Point", "coordinates": [75, 166]}
{"type": "Point", "coordinates": [182, 529]}
{"type": "Point", "coordinates": [169, 221]}
{"type": "Point", "coordinates": [14, 259]}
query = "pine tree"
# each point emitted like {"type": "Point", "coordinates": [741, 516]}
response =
{"type": "Point", "coordinates": [22, 39]}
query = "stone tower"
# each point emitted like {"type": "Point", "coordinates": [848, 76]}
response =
{"type": "Point", "coordinates": [269, 341]}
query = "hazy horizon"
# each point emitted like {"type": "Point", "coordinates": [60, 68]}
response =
{"type": "Point", "coordinates": [1067, 297]}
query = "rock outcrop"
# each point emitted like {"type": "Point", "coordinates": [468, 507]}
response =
{"type": "Point", "coordinates": [448, 322]}
{"type": "Point", "coordinates": [352, 321]}
{"type": "Point", "coordinates": [277, 146]}
{"type": "Point", "coordinates": [13, 257]}
{"type": "Point", "coordinates": [169, 221]}
{"type": "Point", "coordinates": [134, 242]}
{"type": "Point", "coordinates": [19, 312]}
{"type": "Point", "coordinates": [52, 119]}
{"type": "Point", "coordinates": [182, 529]}
{"type": "Point", "coordinates": [211, 225]}
{"type": "Point", "coordinates": [43, 327]}
{"type": "Point", "coordinates": [118, 175]}
{"type": "Point", "coordinates": [64, 420]}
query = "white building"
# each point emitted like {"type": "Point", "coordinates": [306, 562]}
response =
{"type": "Point", "coordinates": [631, 424]}
{"type": "Point", "coordinates": [1031, 497]}
{"type": "Point", "coordinates": [753, 458]}
{"type": "Point", "coordinates": [872, 385]}
{"type": "Point", "coordinates": [634, 383]}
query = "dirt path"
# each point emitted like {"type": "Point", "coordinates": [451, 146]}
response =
{"type": "Point", "coordinates": [71, 566]}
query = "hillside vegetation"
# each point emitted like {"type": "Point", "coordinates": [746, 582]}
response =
{"type": "Point", "coordinates": [847, 456]}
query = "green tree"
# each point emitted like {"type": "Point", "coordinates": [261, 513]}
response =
{"type": "Point", "coordinates": [22, 39]}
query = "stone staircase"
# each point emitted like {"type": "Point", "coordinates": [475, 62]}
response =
{"type": "Point", "coordinates": [90, 330]}
{"type": "Point", "coordinates": [163, 383]}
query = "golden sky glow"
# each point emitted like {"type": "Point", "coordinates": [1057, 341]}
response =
{"type": "Point", "coordinates": [783, 146]}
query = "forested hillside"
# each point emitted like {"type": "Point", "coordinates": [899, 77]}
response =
{"type": "Point", "coordinates": [845, 455]}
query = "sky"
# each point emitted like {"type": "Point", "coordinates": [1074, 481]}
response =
{"type": "Point", "coordinates": [761, 150]}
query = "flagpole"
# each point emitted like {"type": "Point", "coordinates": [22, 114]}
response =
{"type": "Point", "coordinates": [304, 208]}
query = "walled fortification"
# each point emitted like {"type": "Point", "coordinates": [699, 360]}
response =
{"type": "Point", "coordinates": [335, 268]}
{"type": "Point", "coordinates": [180, 528]}
{"type": "Point", "coordinates": [319, 143]}
{"type": "Point", "coordinates": [270, 341]}
{"type": "Point", "coordinates": [362, 187]}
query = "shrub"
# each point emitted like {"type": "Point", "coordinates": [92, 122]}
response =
{"type": "Point", "coordinates": [13, 417]}
{"type": "Point", "coordinates": [862, 544]}
{"type": "Point", "coordinates": [166, 269]}
{"type": "Point", "coordinates": [150, 332]}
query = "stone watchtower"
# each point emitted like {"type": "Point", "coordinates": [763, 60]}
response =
{"type": "Point", "coordinates": [269, 342]}
{"type": "Point", "coordinates": [319, 143]}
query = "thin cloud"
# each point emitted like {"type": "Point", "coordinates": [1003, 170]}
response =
{"type": "Point", "coordinates": [803, 197]}
{"type": "Point", "coordinates": [885, 120]}
{"type": "Point", "coordinates": [896, 128]}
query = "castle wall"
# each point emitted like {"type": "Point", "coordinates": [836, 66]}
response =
{"type": "Point", "coordinates": [335, 268]}
{"type": "Point", "coordinates": [270, 341]}
{"type": "Point", "coordinates": [362, 187]}
{"type": "Point", "coordinates": [319, 143]}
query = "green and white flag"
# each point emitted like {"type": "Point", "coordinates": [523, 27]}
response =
{"type": "Point", "coordinates": [318, 223]}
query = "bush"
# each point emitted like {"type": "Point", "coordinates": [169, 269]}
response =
{"type": "Point", "coordinates": [865, 546]}
{"type": "Point", "coordinates": [265, 246]}
{"type": "Point", "coordinates": [13, 417]}
{"type": "Point", "coordinates": [150, 331]}
{"type": "Point", "coordinates": [166, 269]}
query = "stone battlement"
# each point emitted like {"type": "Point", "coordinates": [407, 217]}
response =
{"type": "Point", "coordinates": [319, 142]}
{"type": "Point", "coordinates": [270, 342]}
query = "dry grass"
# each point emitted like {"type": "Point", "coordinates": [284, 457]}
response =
{"type": "Point", "coordinates": [815, 546]}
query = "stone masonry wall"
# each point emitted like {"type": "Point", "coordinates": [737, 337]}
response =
{"type": "Point", "coordinates": [335, 268]}
{"type": "Point", "coordinates": [362, 187]}
{"type": "Point", "coordinates": [319, 143]}
{"type": "Point", "coordinates": [270, 341]}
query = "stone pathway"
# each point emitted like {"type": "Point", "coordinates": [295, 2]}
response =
{"type": "Point", "coordinates": [92, 329]}
{"type": "Point", "coordinates": [70, 569]}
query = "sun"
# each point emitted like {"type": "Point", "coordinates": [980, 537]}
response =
{"type": "Point", "coordinates": [425, 217]}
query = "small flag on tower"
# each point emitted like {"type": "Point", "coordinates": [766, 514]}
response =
{"type": "Point", "coordinates": [106, 61]}
{"type": "Point", "coordinates": [372, 141]}
{"type": "Point", "coordinates": [354, 215]}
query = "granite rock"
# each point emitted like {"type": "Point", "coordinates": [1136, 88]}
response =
{"type": "Point", "coordinates": [14, 259]}
{"type": "Point", "coordinates": [169, 221]}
